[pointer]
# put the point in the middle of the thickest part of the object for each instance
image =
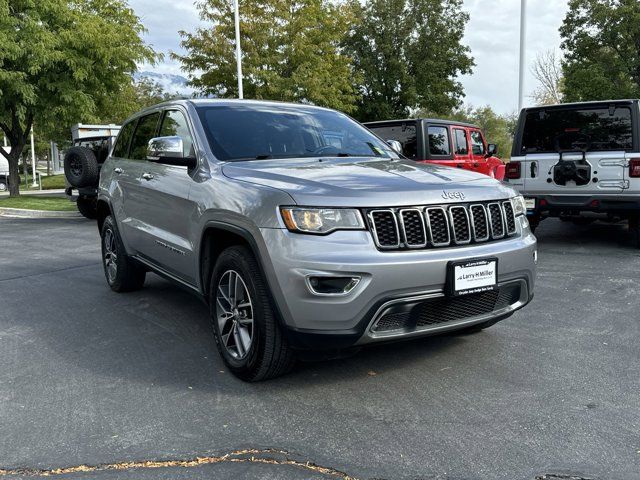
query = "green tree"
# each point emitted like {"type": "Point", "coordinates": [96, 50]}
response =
{"type": "Point", "coordinates": [601, 43]}
{"type": "Point", "coordinates": [291, 51]}
{"type": "Point", "coordinates": [62, 61]}
{"type": "Point", "coordinates": [408, 54]}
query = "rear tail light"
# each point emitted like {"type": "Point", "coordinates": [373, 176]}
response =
{"type": "Point", "coordinates": [634, 168]}
{"type": "Point", "coordinates": [512, 170]}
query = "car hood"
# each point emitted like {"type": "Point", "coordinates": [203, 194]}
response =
{"type": "Point", "coordinates": [367, 182]}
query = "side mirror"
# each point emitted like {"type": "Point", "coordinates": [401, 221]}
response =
{"type": "Point", "coordinates": [396, 145]}
{"type": "Point", "coordinates": [492, 149]}
{"type": "Point", "coordinates": [169, 151]}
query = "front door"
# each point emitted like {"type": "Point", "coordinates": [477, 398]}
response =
{"type": "Point", "coordinates": [167, 210]}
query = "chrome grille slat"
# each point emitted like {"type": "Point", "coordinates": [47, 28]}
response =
{"type": "Point", "coordinates": [479, 222]}
{"type": "Point", "coordinates": [509, 218]}
{"type": "Point", "coordinates": [460, 224]}
{"type": "Point", "coordinates": [441, 225]}
{"type": "Point", "coordinates": [496, 220]}
{"type": "Point", "coordinates": [414, 232]}
{"type": "Point", "coordinates": [384, 226]}
{"type": "Point", "coordinates": [438, 226]}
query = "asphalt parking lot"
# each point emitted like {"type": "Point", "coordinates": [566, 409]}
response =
{"type": "Point", "coordinates": [90, 377]}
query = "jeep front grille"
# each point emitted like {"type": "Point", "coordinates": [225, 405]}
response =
{"type": "Point", "coordinates": [441, 226]}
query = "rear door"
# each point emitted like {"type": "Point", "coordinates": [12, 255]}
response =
{"type": "Point", "coordinates": [166, 211]}
{"type": "Point", "coordinates": [124, 176]}
{"type": "Point", "coordinates": [593, 142]}
{"type": "Point", "coordinates": [134, 202]}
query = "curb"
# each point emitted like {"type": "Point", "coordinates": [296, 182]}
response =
{"type": "Point", "coordinates": [21, 213]}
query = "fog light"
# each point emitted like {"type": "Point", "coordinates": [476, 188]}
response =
{"type": "Point", "coordinates": [321, 285]}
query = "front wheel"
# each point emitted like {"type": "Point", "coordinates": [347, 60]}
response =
{"type": "Point", "coordinates": [123, 274]}
{"type": "Point", "coordinates": [247, 332]}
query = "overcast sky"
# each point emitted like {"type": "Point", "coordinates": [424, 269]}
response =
{"type": "Point", "coordinates": [492, 34]}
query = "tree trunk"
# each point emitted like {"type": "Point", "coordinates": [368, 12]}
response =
{"type": "Point", "coordinates": [14, 174]}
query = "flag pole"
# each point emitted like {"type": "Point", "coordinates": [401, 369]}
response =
{"type": "Point", "coordinates": [523, 34]}
{"type": "Point", "coordinates": [238, 48]}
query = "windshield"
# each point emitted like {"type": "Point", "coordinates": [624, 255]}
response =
{"type": "Point", "coordinates": [592, 129]}
{"type": "Point", "coordinates": [265, 131]}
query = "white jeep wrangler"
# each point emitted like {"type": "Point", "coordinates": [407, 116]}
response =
{"type": "Point", "coordinates": [579, 162]}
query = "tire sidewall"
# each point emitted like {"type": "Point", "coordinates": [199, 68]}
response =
{"type": "Point", "coordinates": [89, 163]}
{"type": "Point", "coordinates": [3, 185]}
{"type": "Point", "coordinates": [109, 224]}
{"type": "Point", "coordinates": [234, 259]}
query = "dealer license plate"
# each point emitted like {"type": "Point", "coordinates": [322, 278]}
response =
{"type": "Point", "coordinates": [530, 203]}
{"type": "Point", "coordinates": [472, 276]}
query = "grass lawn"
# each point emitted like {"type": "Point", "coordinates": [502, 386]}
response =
{"type": "Point", "coordinates": [38, 202]}
{"type": "Point", "coordinates": [51, 182]}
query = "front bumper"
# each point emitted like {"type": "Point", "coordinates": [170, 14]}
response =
{"type": "Point", "coordinates": [338, 321]}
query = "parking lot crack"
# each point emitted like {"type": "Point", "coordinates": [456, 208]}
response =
{"type": "Point", "coordinates": [18, 277]}
{"type": "Point", "coordinates": [259, 456]}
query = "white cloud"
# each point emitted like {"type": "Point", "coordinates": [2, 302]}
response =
{"type": "Point", "coordinates": [492, 34]}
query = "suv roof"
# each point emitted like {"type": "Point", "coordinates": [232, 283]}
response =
{"type": "Point", "coordinates": [426, 120]}
{"type": "Point", "coordinates": [580, 104]}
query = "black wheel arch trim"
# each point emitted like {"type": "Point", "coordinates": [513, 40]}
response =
{"type": "Point", "coordinates": [255, 244]}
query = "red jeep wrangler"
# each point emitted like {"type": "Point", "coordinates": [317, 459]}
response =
{"type": "Point", "coordinates": [453, 144]}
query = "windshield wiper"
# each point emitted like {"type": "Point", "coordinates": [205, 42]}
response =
{"type": "Point", "coordinates": [264, 156]}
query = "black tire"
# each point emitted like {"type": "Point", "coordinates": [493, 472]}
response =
{"type": "Point", "coordinates": [81, 167]}
{"type": "Point", "coordinates": [88, 206]}
{"type": "Point", "coordinates": [123, 274]}
{"type": "Point", "coordinates": [4, 184]}
{"type": "Point", "coordinates": [267, 353]}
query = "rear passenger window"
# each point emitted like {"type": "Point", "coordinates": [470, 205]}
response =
{"type": "Point", "coordinates": [121, 148]}
{"type": "Point", "coordinates": [439, 141]}
{"type": "Point", "coordinates": [405, 134]}
{"type": "Point", "coordinates": [174, 124]}
{"type": "Point", "coordinates": [461, 142]}
{"type": "Point", "coordinates": [476, 143]}
{"type": "Point", "coordinates": [144, 132]}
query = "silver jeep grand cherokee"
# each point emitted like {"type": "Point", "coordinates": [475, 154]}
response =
{"type": "Point", "coordinates": [304, 231]}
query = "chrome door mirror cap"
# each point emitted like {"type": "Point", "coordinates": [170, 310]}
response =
{"type": "Point", "coordinates": [160, 148]}
{"type": "Point", "coordinates": [396, 145]}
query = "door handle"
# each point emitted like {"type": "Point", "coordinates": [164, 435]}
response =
{"type": "Point", "coordinates": [147, 176]}
{"type": "Point", "coordinates": [118, 170]}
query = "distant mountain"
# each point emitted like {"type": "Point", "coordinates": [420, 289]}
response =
{"type": "Point", "coordinates": [170, 83]}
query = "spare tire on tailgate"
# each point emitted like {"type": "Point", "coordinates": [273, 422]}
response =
{"type": "Point", "coordinates": [81, 167]}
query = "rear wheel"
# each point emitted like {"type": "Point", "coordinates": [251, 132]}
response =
{"type": "Point", "coordinates": [123, 274]}
{"type": "Point", "coordinates": [87, 206]}
{"type": "Point", "coordinates": [246, 328]}
{"type": "Point", "coordinates": [3, 184]}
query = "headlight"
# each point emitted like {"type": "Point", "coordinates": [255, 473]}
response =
{"type": "Point", "coordinates": [519, 205]}
{"type": "Point", "coordinates": [321, 220]}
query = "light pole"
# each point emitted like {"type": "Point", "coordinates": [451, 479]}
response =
{"type": "Point", "coordinates": [238, 49]}
{"type": "Point", "coordinates": [33, 160]}
{"type": "Point", "coordinates": [523, 34]}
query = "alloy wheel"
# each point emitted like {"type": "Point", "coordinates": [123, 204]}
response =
{"type": "Point", "coordinates": [110, 255]}
{"type": "Point", "coordinates": [234, 314]}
